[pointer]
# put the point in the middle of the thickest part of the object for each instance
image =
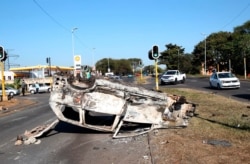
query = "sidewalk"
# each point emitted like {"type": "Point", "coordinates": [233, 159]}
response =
{"type": "Point", "coordinates": [17, 103]}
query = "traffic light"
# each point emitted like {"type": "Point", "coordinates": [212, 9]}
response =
{"type": "Point", "coordinates": [3, 54]}
{"type": "Point", "coordinates": [150, 55]}
{"type": "Point", "coordinates": [155, 53]}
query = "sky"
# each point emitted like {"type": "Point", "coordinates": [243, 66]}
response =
{"type": "Point", "coordinates": [32, 30]}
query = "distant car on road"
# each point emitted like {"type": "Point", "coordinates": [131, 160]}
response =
{"type": "Point", "coordinates": [116, 77]}
{"type": "Point", "coordinates": [10, 91]}
{"type": "Point", "coordinates": [222, 80]}
{"type": "Point", "coordinates": [172, 76]}
{"type": "Point", "coordinates": [42, 88]}
{"type": "Point", "coordinates": [130, 75]}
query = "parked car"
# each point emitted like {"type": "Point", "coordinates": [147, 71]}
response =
{"type": "Point", "coordinates": [222, 80]}
{"type": "Point", "coordinates": [42, 88]}
{"type": "Point", "coordinates": [10, 91]}
{"type": "Point", "coordinates": [116, 77]}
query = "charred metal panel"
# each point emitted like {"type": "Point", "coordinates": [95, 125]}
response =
{"type": "Point", "coordinates": [105, 105]}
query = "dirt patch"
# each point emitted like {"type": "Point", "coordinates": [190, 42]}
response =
{"type": "Point", "coordinates": [9, 103]}
{"type": "Point", "coordinates": [13, 105]}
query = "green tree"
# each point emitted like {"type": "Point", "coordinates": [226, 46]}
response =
{"type": "Point", "coordinates": [241, 44]}
{"type": "Point", "coordinates": [218, 47]}
{"type": "Point", "coordinates": [117, 66]}
{"type": "Point", "coordinates": [172, 56]}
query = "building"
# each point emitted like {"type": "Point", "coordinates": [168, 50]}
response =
{"type": "Point", "coordinates": [39, 73]}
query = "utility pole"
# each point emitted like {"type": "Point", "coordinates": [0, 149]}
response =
{"type": "Point", "coordinates": [205, 52]}
{"type": "Point", "coordinates": [48, 61]}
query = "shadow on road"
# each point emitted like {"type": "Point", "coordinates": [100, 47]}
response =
{"type": "Point", "coordinates": [63, 127]}
{"type": "Point", "coordinates": [243, 96]}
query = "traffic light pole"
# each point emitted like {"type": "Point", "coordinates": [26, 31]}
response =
{"type": "Point", "coordinates": [156, 76]}
{"type": "Point", "coordinates": [4, 98]}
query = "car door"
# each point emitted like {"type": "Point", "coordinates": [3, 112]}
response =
{"type": "Point", "coordinates": [214, 80]}
{"type": "Point", "coordinates": [6, 91]}
{"type": "Point", "coordinates": [42, 88]}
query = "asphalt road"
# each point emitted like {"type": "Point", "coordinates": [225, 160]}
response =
{"type": "Point", "coordinates": [241, 94]}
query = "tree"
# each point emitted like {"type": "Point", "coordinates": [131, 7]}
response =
{"type": "Point", "coordinates": [242, 47]}
{"type": "Point", "coordinates": [218, 49]}
{"type": "Point", "coordinates": [122, 67]}
{"type": "Point", "coordinates": [172, 56]}
{"type": "Point", "coordinates": [117, 66]}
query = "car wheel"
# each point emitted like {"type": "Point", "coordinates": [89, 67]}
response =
{"type": "Point", "coordinates": [211, 86]}
{"type": "Point", "coordinates": [175, 82]}
{"type": "Point", "coordinates": [183, 80]}
{"type": "Point", "coordinates": [49, 90]}
{"type": "Point", "coordinates": [32, 92]}
{"type": "Point", "coordinates": [11, 94]}
{"type": "Point", "coordinates": [218, 86]}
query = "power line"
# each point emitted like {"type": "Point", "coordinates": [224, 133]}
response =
{"type": "Point", "coordinates": [237, 16]}
{"type": "Point", "coordinates": [52, 18]}
{"type": "Point", "coordinates": [59, 24]}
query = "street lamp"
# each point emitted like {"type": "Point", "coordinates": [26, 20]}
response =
{"type": "Point", "coordinates": [178, 58]}
{"type": "Point", "coordinates": [205, 51]}
{"type": "Point", "coordinates": [108, 66]}
{"type": "Point", "coordinates": [93, 61]}
{"type": "Point", "coordinates": [73, 47]}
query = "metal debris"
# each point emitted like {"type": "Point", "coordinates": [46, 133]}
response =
{"type": "Point", "coordinates": [30, 137]}
{"type": "Point", "coordinates": [223, 143]}
{"type": "Point", "coordinates": [117, 107]}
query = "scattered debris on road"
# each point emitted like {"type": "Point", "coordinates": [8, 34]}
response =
{"type": "Point", "coordinates": [30, 137]}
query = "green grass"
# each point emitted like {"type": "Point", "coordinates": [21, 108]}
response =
{"type": "Point", "coordinates": [216, 108]}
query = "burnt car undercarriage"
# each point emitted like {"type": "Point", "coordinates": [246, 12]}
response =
{"type": "Point", "coordinates": [113, 106]}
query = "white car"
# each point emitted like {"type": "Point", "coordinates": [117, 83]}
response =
{"type": "Point", "coordinates": [42, 88]}
{"type": "Point", "coordinates": [221, 80]}
{"type": "Point", "coordinates": [173, 76]}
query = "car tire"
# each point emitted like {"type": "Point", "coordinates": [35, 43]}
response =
{"type": "Point", "coordinates": [183, 80]}
{"type": "Point", "coordinates": [49, 90]}
{"type": "Point", "coordinates": [32, 92]}
{"type": "Point", "coordinates": [211, 86]}
{"type": "Point", "coordinates": [11, 94]}
{"type": "Point", "coordinates": [175, 81]}
{"type": "Point", "coordinates": [218, 86]}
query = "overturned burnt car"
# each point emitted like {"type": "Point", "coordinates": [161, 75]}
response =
{"type": "Point", "coordinates": [114, 106]}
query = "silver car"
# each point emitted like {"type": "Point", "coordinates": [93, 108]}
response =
{"type": "Point", "coordinates": [9, 91]}
{"type": "Point", "coordinates": [42, 88]}
{"type": "Point", "coordinates": [222, 80]}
